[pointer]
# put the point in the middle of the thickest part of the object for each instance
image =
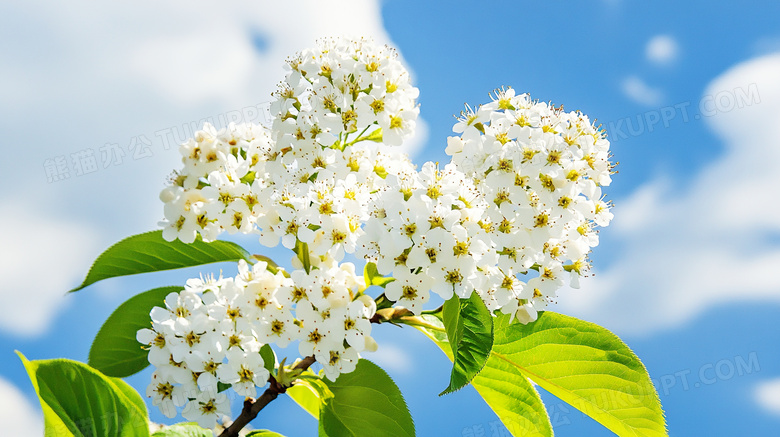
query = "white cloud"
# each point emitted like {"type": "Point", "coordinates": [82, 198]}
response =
{"type": "Point", "coordinates": [637, 90]}
{"type": "Point", "coordinates": [683, 247]}
{"type": "Point", "coordinates": [190, 52]}
{"type": "Point", "coordinates": [79, 76]}
{"type": "Point", "coordinates": [392, 357]}
{"type": "Point", "coordinates": [662, 50]}
{"type": "Point", "coordinates": [767, 395]}
{"type": "Point", "coordinates": [17, 415]}
{"type": "Point", "coordinates": [42, 258]}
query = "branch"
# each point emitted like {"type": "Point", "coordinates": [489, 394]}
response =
{"type": "Point", "coordinates": [253, 406]}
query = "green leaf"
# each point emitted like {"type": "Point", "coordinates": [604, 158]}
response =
{"type": "Point", "coordinates": [115, 351]}
{"type": "Point", "coordinates": [131, 394]}
{"type": "Point", "coordinates": [587, 367]}
{"type": "Point", "coordinates": [305, 396]}
{"type": "Point", "coordinates": [506, 391]}
{"type": "Point", "coordinates": [513, 399]}
{"type": "Point", "coordinates": [469, 327]}
{"type": "Point", "coordinates": [376, 136]}
{"type": "Point", "coordinates": [372, 276]}
{"type": "Point", "coordinates": [184, 430]}
{"type": "Point", "coordinates": [269, 358]}
{"type": "Point", "coordinates": [263, 433]}
{"type": "Point", "coordinates": [365, 402]}
{"type": "Point", "coordinates": [79, 401]}
{"type": "Point", "coordinates": [302, 252]}
{"type": "Point", "coordinates": [149, 252]}
{"type": "Point", "coordinates": [310, 393]}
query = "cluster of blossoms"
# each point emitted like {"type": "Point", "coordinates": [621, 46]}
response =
{"type": "Point", "coordinates": [427, 232]}
{"type": "Point", "coordinates": [307, 182]}
{"type": "Point", "coordinates": [540, 170]}
{"type": "Point", "coordinates": [308, 179]}
{"type": "Point", "coordinates": [341, 87]}
{"type": "Point", "coordinates": [212, 331]}
{"type": "Point", "coordinates": [508, 218]}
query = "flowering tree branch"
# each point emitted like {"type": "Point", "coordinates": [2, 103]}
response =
{"type": "Point", "coordinates": [523, 191]}
{"type": "Point", "coordinates": [252, 407]}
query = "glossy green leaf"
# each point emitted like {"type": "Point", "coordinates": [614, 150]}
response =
{"type": "Point", "coordinates": [365, 403]}
{"type": "Point", "coordinates": [149, 252]}
{"type": "Point", "coordinates": [130, 393]}
{"type": "Point", "coordinates": [269, 358]}
{"type": "Point", "coordinates": [115, 351]}
{"type": "Point", "coordinates": [372, 276]}
{"type": "Point", "coordinates": [506, 391]}
{"type": "Point", "coordinates": [310, 394]}
{"type": "Point", "coordinates": [581, 363]}
{"type": "Point", "coordinates": [184, 430]}
{"type": "Point", "coordinates": [587, 367]}
{"type": "Point", "coordinates": [79, 401]}
{"type": "Point", "coordinates": [469, 327]}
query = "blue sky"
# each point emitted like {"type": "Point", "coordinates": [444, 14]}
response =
{"type": "Point", "coordinates": [687, 91]}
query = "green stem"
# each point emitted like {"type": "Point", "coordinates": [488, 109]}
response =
{"type": "Point", "coordinates": [359, 138]}
{"type": "Point", "coordinates": [416, 321]}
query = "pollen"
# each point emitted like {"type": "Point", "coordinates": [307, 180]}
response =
{"type": "Point", "coordinates": [315, 336]}
{"type": "Point", "coordinates": [461, 248]}
{"type": "Point", "coordinates": [192, 339]}
{"type": "Point", "coordinates": [337, 236]}
{"type": "Point", "coordinates": [505, 165]}
{"type": "Point", "coordinates": [396, 122]}
{"type": "Point", "coordinates": [335, 357]}
{"type": "Point", "coordinates": [245, 375]}
{"type": "Point", "coordinates": [453, 276]}
{"type": "Point", "coordinates": [377, 106]}
{"type": "Point", "coordinates": [541, 220]}
{"type": "Point", "coordinates": [208, 407]}
{"type": "Point", "coordinates": [165, 389]}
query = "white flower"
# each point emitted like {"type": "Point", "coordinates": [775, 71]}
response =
{"type": "Point", "coordinates": [408, 289]}
{"type": "Point", "coordinates": [277, 326]}
{"type": "Point", "coordinates": [244, 371]}
{"type": "Point", "coordinates": [158, 352]}
{"type": "Point", "coordinates": [337, 361]}
{"type": "Point", "coordinates": [206, 408]}
{"type": "Point", "coordinates": [165, 394]}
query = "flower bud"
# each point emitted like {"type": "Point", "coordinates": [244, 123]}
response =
{"type": "Point", "coordinates": [371, 345]}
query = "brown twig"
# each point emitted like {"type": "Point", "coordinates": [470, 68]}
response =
{"type": "Point", "coordinates": [253, 406]}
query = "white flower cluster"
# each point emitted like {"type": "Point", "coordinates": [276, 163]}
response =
{"type": "Point", "coordinates": [311, 180]}
{"type": "Point", "coordinates": [428, 233]}
{"type": "Point", "coordinates": [341, 87]}
{"type": "Point", "coordinates": [217, 189]}
{"type": "Point", "coordinates": [512, 214]}
{"type": "Point", "coordinates": [212, 331]}
{"type": "Point", "coordinates": [540, 170]}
